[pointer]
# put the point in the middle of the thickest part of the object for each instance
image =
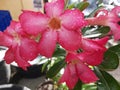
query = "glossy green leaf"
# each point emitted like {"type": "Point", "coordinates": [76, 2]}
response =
{"type": "Point", "coordinates": [54, 70]}
{"type": "Point", "coordinates": [110, 62]}
{"type": "Point", "coordinates": [91, 86]}
{"type": "Point", "coordinates": [82, 5]}
{"type": "Point", "coordinates": [59, 52]}
{"type": "Point", "coordinates": [115, 49]}
{"type": "Point", "coordinates": [44, 67]}
{"type": "Point", "coordinates": [104, 30]}
{"type": "Point", "coordinates": [78, 86]}
{"type": "Point", "coordinates": [106, 81]}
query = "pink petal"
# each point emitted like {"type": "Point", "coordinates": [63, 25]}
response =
{"type": "Point", "coordinates": [13, 24]}
{"type": "Point", "coordinates": [115, 31]}
{"type": "Point", "coordinates": [113, 22]}
{"type": "Point", "coordinates": [20, 61]}
{"type": "Point", "coordinates": [54, 8]}
{"type": "Point", "coordinates": [92, 58]}
{"type": "Point", "coordinates": [73, 19]}
{"type": "Point", "coordinates": [14, 29]}
{"type": "Point", "coordinates": [33, 22]}
{"type": "Point", "coordinates": [70, 57]}
{"type": "Point", "coordinates": [47, 43]}
{"type": "Point", "coordinates": [115, 11]}
{"type": "Point", "coordinates": [9, 55]}
{"type": "Point", "coordinates": [70, 40]}
{"type": "Point", "coordinates": [85, 74]}
{"type": "Point", "coordinates": [5, 40]}
{"type": "Point", "coordinates": [28, 49]}
{"type": "Point", "coordinates": [69, 77]}
{"type": "Point", "coordinates": [103, 41]}
{"type": "Point", "coordinates": [90, 45]}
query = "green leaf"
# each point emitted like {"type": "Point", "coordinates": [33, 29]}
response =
{"type": "Point", "coordinates": [54, 70]}
{"type": "Point", "coordinates": [104, 30]}
{"type": "Point", "coordinates": [110, 62]}
{"type": "Point", "coordinates": [91, 86]}
{"type": "Point", "coordinates": [59, 52]}
{"type": "Point", "coordinates": [106, 82]}
{"type": "Point", "coordinates": [82, 5]}
{"type": "Point", "coordinates": [44, 67]}
{"type": "Point", "coordinates": [78, 86]}
{"type": "Point", "coordinates": [94, 11]}
{"type": "Point", "coordinates": [115, 49]}
{"type": "Point", "coordinates": [71, 6]}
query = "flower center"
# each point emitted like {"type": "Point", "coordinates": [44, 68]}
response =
{"type": "Point", "coordinates": [75, 62]}
{"type": "Point", "coordinates": [55, 23]}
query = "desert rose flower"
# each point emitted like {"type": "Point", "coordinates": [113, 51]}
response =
{"type": "Point", "coordinates": [55, 26]}
{"type": "Point", "coordinates": [21, 49]}
{"type": "Point", "coordinates": [78, 63]}
{"type": "Point", "coordinates": [111, 19]}
{"type": "Point", "coordinates": [75, 70]}
{"type": "Point", "coordinates": [93, 50]}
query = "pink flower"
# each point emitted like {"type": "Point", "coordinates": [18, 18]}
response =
{"type": "Point", "coordinates": [78, 63]}
{"type": "Point", "coordinates": [21, 49]}
{"type": "Point", "coordinates": [56, 26]}
{"type": "Point", "coordinates": [76, 69]}
{"type": "Point", "coordinates": [93, 50]}
{"type": "Point", "coordinates": [111, 19]}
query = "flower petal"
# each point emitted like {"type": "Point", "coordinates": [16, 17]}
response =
{"type": "Point", "coordinates": [19, 60]}
{"type": "Point", "coordinates": [103, 41]}
{"type": "Point", "coordinates": [54, 8]}
{"type": "Point", "coordinates": [115, 31]}
{"type": "Point", "coordinates": [113, 22]}
{"type": "Point", "coordinates": [115, 11]}
{"type": "Point", "coordinates": [69, 76]}
{"type": "Point", "coordinates": [47, 43]}
{"type": "Point", "coordinates": [9, 55]}
{"type": "Point", "coordinates": [91, 58]}
{"type": "Point", "coordinates": [70, 40]}
{"type": "Point", "coordinates": [85, 74]}
{"type": "Point", "coordinates": [33, 22]}
{"type": "Point", "coordinates": [70, 57]}
{"type": "Point", "coordinates": [28, 49]}
{"type": "Point", "coordinates": [5, 40]}
{"type": "Point", "coordinates": [90, 45]}
{"type": "Point", "coordinates": [73, 19]}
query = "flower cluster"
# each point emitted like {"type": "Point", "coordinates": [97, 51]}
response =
{"type": "Point", "coordinates": [38, 33]}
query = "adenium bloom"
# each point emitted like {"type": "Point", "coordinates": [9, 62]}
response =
{"type": "Point", "coordinates": [78, 63]}
{"type": "Point", "coordinates": [55, 26]}
{"type": "Point", "coordinates": [76, 69]}
{"type": "Point", "coordinates": [111, 19]}
{"type": "Point", "coordinates": [21, 49]}
{"type": "Point", "coordinates": [93, 50]}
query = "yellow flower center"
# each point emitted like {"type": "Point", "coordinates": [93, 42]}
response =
{"type": "Point", "coordinates": [55, 23]}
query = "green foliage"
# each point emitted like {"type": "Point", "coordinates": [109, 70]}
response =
{"type": "Point", "coordinates": [106, 81]}
{"type": "Point", "coordinates": [59, 52]}
{"type": "Point", "coordinates": [82, 5]}
{"type": "Point", "coordinates": [110, 62]}
{"type": "Point", "coordinates": [78, 86]}
{"type": "Point", "coordinates": [115, 49]}
{"type": "Point", "coordinates": [54, 70]}
{"type": "Point", "coordinates": [91, 86]}
{"type": "Point", "coordinates": [98, 31]}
